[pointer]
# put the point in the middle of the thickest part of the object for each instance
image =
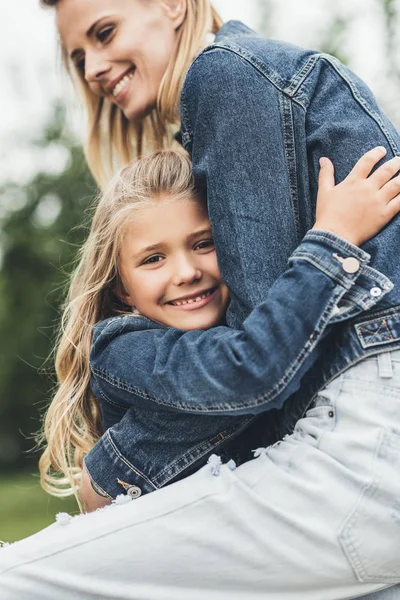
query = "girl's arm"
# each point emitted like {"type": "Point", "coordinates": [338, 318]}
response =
{"type": "Point", "coordinates": [224, 371]}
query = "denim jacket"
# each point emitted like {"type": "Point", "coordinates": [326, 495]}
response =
{"type": "Point", "coordinates": [256, 116]}
{"type": "Point", "coordinates": [147, 445]}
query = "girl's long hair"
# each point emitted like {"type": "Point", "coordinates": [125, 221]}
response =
{"type": "Point", "coordinates": [73, 421]}
{"type": "Point", "coordinates": [112, 140]}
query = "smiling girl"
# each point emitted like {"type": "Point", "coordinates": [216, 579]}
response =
{"type": "Point", "coordinates": [150, 254]}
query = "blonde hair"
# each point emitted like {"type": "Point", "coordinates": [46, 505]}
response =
{"type": "Point", "coordinates": [112, 140]}
{"type": "Point", "coordinates": [73, 422]}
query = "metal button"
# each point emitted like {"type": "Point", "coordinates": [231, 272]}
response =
{"type": "Point", "coordinates": [376, 292]}
{"type": "Point", "coordinates": [134, 492]}
{"type": "Point", "coordinates": [350, 264]}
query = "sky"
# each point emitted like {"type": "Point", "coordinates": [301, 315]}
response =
{"type": "Point", "coordinates": [31, 75]}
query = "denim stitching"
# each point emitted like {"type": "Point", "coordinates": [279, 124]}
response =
{"type": "Point", "coordinates": [253, 402]}
{"type": "Point", "coordinates": [346, 246]}
{"type": "Point", "coordinates": [169, 472]}
{"type": "Point", "coordinates": [126, 462]}
{"type": "Point", "coordinates": [337, 275]}
{"type": "Point", "coordinates": [300, 77]}
{"type": "Point", "coordinates": [290, 154]}
{"type": "Point", "coordinates": [363, 332]}
{"type": "Point", "coordinates": [189, 458]}
{"type": "Point", "coordinates": [374, 115]}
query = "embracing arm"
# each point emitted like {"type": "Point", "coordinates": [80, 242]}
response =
{"type": "Point", "coordinates": [256, 127]}
{"type": "Point", "coordinates": [256, 367]}
{"type": "Point", "coordinates": [222, 370]}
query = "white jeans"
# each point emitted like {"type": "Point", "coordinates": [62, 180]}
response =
{"type": "Point", "coordinates": [315, 517]}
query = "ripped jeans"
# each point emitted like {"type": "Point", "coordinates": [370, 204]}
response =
{"type": "Point", "coordinates": [314, 517]}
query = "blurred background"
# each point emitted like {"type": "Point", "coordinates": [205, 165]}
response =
{"type": "Point", "coordinates": [45, 190]}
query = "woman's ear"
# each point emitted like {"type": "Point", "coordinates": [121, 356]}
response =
{"type": "Point", "coordinates": [175, 11]}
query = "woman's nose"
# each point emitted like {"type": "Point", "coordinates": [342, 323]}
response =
{"type": "Point", "coordinates": [96, 68]}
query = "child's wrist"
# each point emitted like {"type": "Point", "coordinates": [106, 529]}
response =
{"type": "Point", "coordinates": [340, 232]}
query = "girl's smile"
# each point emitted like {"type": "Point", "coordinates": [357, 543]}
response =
{"type": "Point", "coordinates": [169, 268]}
{"type": "Point", "coordinates": [195, 300]}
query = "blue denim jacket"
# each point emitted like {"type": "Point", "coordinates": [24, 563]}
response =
{"type": "Point", "coordinates": [256, 117]}
{"type": "Point", "coordinates": [148, 445]}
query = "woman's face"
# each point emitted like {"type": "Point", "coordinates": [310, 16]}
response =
{"type": "Point", "coordinates": [169, 268]}
{"type": "Point", "coordinates": [121, 47]}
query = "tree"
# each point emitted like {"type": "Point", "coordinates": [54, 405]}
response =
{"type": "Point", "coordinates": [40, 230]}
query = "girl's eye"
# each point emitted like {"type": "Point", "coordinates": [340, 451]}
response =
{"type": "Point", "coordinates": [104, 34]}
{"type": "Point", "coordinates": [152, 260]}
{"type": "Point", "coordinates": [204, 244]}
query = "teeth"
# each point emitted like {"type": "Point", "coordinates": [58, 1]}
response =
{"type": "Point", "coordinates": [192, 300]}
{"type": "Point", "coordinates": [121, 84]}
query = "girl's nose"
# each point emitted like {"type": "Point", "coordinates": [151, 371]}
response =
{"type": "Point", "coordinates": [186, 272]}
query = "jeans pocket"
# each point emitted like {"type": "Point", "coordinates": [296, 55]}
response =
{"type": "Point", "coordinates": [370, 536]}
{"type": "Point", "coordinates": [322, 416]}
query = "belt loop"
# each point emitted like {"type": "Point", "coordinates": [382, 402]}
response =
{"type": "Point", "coordinates": [385, 367]}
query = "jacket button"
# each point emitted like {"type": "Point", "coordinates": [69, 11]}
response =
{"type": "Point", "coordinates": [351, 265]}
{"type": "Point", "coordinates": [133, 491]}
{"type": "Point", "coordinates": [376, 292]}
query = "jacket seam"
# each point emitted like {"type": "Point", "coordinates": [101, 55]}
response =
{"type": "Point", "coordinates": [219, 438]}
{"type": "Point", "coordinates": [127, 462]}
{"type": "Point", "coordinates": [252, 402]}
{"type": "Point", "coordinates": [373, 114]}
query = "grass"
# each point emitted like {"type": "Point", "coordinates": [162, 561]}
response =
{"type": "Point", "coordinates": [25, 508]}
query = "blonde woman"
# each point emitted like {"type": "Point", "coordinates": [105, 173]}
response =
{"type": "Point", "coordinates": [256, 116]}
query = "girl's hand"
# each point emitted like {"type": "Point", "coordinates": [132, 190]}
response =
{"type": "Point", "coordinates": [89, 499]}
{"type": "Point", "coordinates": [360, 206]}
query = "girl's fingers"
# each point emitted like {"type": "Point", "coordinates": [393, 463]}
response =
{"type": "Point", "coordinates": [326, 178]}
{"type": "Point", "coordinates": [385, 172]}
{"type": "Point", "coordinates": [393, 208]}
{"type": "Point", "coordinates": [367, 162]}
{"type": "Point", "coordinates": [392, 188]}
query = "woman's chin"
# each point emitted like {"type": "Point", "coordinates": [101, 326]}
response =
{"type": "Point", "coordinates": [136, 112]}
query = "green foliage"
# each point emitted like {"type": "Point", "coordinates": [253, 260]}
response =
{"type": "Point", "coordinates": [40, 231]}
{"type": "Point", "coordinates": [25, 508]}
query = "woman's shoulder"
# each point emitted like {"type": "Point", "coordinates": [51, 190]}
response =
{"type": "Point", "coordinates": [237, 49]}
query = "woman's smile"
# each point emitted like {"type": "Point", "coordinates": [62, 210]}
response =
{"type": "Point", "coordinates": [119, 88]}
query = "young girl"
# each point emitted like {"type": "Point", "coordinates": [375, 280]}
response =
{"type": "Point", "coordinates": [150, 250]}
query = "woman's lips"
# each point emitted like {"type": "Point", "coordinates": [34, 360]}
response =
{"type": "Point", "coordinates": [120, 97]}
{"type": "Point", "coordinates": [194, 305]}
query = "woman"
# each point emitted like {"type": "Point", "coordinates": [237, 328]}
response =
{"type": "Point", "coordinates": [241, 95]}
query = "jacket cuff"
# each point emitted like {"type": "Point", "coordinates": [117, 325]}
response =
{"type": "Point", "coordinates": [348, 265]}
{"type": "Point", "coordinates": [104, 463]}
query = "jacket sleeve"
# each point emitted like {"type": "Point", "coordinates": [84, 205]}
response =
{"type": "Point", "coordinates": [256, 118]}
{"type": "Point", "coordinates": [250, 370]}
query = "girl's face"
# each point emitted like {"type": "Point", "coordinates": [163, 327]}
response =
{"type": "Point", "coordinates": [168, 266]}
{"type": "Point", "coordinates": [121, 47]}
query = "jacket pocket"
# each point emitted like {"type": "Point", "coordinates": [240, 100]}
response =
{"type": "Point", "coordinates": [370, 536]}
